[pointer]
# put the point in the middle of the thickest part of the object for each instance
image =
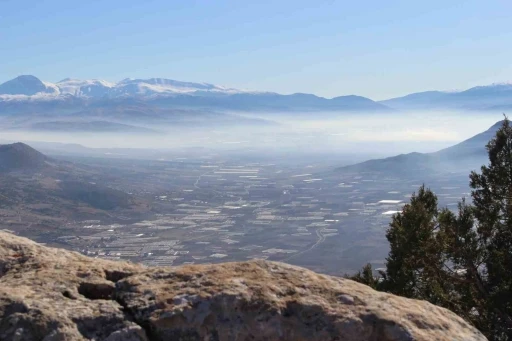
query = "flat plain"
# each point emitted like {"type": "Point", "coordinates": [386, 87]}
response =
{"type": "Point", "coordinates": [210, 208]}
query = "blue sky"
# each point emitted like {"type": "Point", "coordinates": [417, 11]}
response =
{"type": "Point", "coordinates": [372, 48]}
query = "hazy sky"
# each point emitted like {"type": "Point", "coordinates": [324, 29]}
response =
{"type": "Point", "coordinates": [372, 48]}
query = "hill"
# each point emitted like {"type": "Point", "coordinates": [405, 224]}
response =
{"type": "Point", "coordinates": [272, 102]}
{"type": "Point", "coordinates": [462, 157]}
{"type": "Point", "coordinates": [75, 114]}
{"type": "Point", "coordinates": [472, 147]}
{"type": "Point", "coordinates": [55, 294]}
{"type": "Point", "coordinates": [19, 156]}
{"type": "Point", "coordinates": [45, 188]}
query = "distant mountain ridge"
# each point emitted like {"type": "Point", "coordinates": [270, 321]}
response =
{"type": "Point", "coordinates": [467, 155]}
{"type": "Point", "coordinates": [173, 93]}
{"type": "Point", "coordinates": [28, 85]}
{"type": "Point", "coordinates": [29, 90]}
{"type": "Point", "coordinates": [25, 85]}
{"type": "Point", "coordinates": [492, 97]}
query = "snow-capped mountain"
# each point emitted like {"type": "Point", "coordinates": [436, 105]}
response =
{"type": "Point", "coordinates": [179, 94]}
{"type": "Point", "coordinates": [29, 90]}
{"type": "Point", "coordinates": [86, 88]}
{"type": "Point", "coordinates": [145, 105]}
{"type": "Point", "coordinates": [29, 86]}
{"type": "Point", "coordinates": [162, 86]}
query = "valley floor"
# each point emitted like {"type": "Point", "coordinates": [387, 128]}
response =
{"type": "Point", "coordinates": [207, 210]}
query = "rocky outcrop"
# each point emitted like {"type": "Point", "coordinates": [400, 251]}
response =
{"type": "Point", "coordinates": [51, 294]}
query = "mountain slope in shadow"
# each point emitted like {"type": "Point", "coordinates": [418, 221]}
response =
{"type": "Point", "coordinates": [19, 156]}
{"type": "Point", "coordinates": [462, 157]}
{"type": "Point", "coordinates": [28, 177]}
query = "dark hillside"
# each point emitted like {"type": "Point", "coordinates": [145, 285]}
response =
{"type": "Point", "coordinates": [19, 156]}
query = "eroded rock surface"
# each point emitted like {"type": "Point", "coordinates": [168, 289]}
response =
{"type": "Point", "coordinates": [51, 294]}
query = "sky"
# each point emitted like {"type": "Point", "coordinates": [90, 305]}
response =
{"type": "Point", "coordinates": [373, 48]}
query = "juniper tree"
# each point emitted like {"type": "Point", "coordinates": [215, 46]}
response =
{"type": "Point", "coordinates": [414, 266]}
{"type": "Point", "coordinates": [365, 276]}
{"type": "Point", "coordinates": [492, 201]}
{"type": "Point", "coordinates": [460, 260]}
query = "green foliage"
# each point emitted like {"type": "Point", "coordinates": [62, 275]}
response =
{"type": "Point", "coordinates": [463, 260]}
{"type": "Point", "coordinates": [414, 261]}
{"type": "Point", "coordinates": [492, 200]}
{"type": "Point", "coordinates": [365, 276]}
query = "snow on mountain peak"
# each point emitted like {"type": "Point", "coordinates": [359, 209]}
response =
{"type": "Point", "coordinates": [490, 89]}
{"type": "Point", "coordinates": [87, 88]}
{"type": "Point", "coordinates": [95, 88]}
{"type": "Point", "coordinates": [24, 87]}
{"type": "Point", "coordinates": [167, 86]}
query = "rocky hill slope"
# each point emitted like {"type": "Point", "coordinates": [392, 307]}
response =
{"type": "Point", "coordinates": [51, 294]}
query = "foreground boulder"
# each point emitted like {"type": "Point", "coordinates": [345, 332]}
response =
{"type": "Point", "coordinates": [51, 294]}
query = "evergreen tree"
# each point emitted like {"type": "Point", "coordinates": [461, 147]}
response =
{"type": "Point", "coordinates": [463, 260]}
{"type": "Point", "coordinates": [463, 257]}
{"type": "Point", "coordinates": [414, 266]}
{"type": "Point", "coordinates": [366, 277]}
{"type": "Point", "coordinates": [492, 200]}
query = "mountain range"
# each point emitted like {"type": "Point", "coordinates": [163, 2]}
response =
{"type": "Point", "coordinates": [181, 94]}
{"type": "Point", "coordinates": [28, 85]}
{"type": "Point", "coordinates": [494, 97]}
{"type": "Point", "coordinates": [463, 157]}
{"type": "Point", "coordinates": [157, 105]}
{"type": "Point", "coordinates": [167, 93]}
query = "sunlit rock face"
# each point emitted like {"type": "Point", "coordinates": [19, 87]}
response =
{"type": "Point", "coordinates": [52, 294]}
